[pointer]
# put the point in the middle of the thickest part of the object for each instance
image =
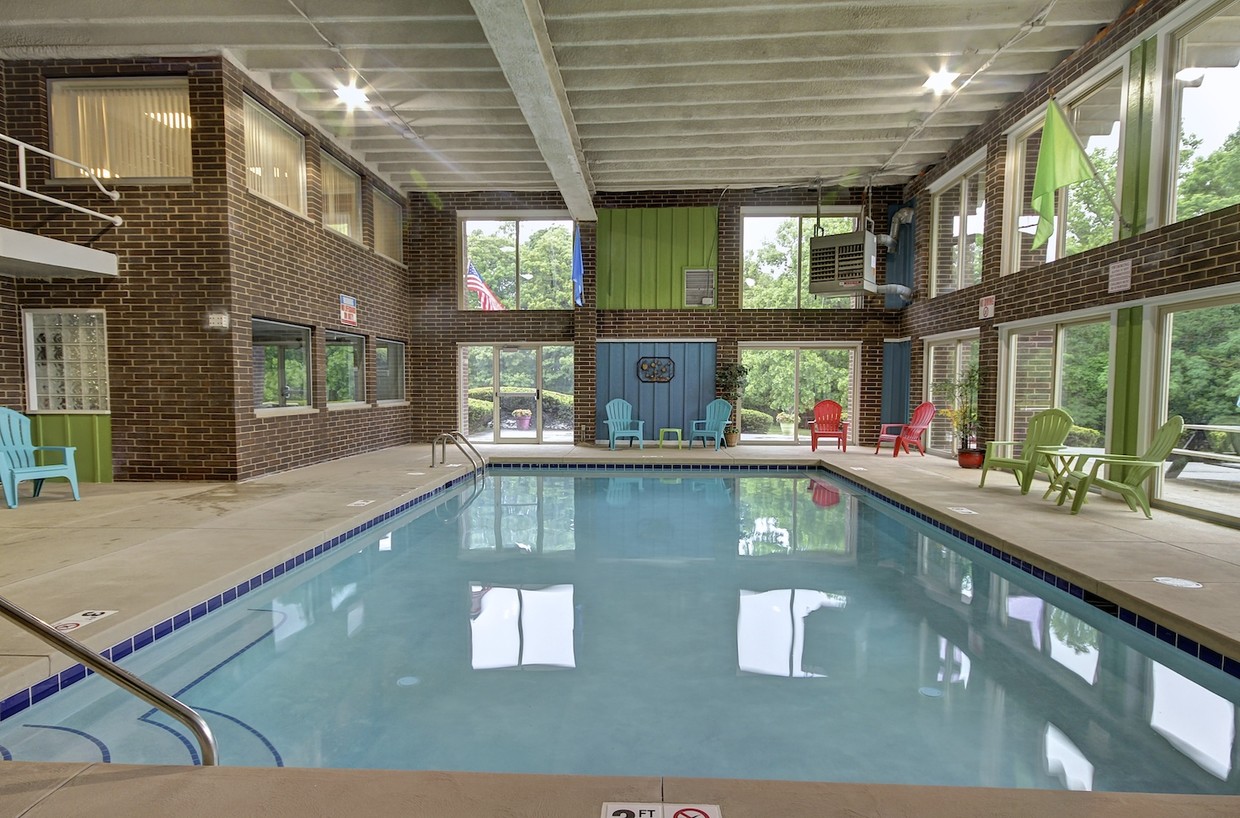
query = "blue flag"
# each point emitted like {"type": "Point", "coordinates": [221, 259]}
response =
{"type": "Point", "coordinates": [578, 269]}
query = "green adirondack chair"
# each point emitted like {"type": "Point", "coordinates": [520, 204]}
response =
{"type": "Point", "coordinates": [1129, 483]}
{"type": "Point", "coordinates": [17, 459]}
{"type": "Point", "coordinates": [1048, 428]}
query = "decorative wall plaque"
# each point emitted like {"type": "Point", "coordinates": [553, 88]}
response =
{"type": "Point", "coordinates": [655, 370]}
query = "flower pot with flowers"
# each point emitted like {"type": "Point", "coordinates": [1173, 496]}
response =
{"type": "Point", "coordinates": [961, 393]}
{"type": "Point", "coordinates": [786, 421]}
{"type": "Point", "coordinates": [522, 417]}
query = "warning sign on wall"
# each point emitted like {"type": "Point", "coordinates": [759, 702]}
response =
{"type": "Point", "coordinates": [348, 310]}
{"type": "Point", "coordinates": [617, 810]}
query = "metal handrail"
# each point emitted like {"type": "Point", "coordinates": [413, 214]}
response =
{"type": "Point", "coordinates": [456, 438]}
{"type": "Point", "coordinates": [21, 186]}
{"type": "Point", "coordinates": [117, 675]}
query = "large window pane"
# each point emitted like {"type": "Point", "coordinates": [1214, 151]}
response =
{"type": "Point", "coordinates": [1206, 172]}
{"type": "Point", "coordinates": [274, 159]}
{"type": "Point", "coordinates": [946, 361]}
{"type": "Point", "coordinates": [776, 252]}
{"type": "Point", "coordinates": [281, 357]}
{"type": "Point", "coordinates": [67, 361]}
{"type": "Point", "coordinates": [959, 219]}
{"type": "Point", "coordinates": [1202, 346]}
{"type": "Point", "coordinates": [390, 370]}
{"type": "Point", "coordinates": [389, 216]}
{"type": "Point", "coordinates": [524, 264]}
{"type": "Point", "coordinates": [784, 384]}
{"type": "Point", "coordinates": [1033, 378]}
{"type": "Point", "coordinates": [122, 128]}
{"type": "Point", "coordinates": [346, 367]}
{"type": "Point", "coordinates": [342, 199]}
{"type": "Point", "coordinates": [1084, 373]}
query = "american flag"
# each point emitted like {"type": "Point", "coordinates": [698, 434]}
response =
{"type": "Point", "coordinates": [474, 283]}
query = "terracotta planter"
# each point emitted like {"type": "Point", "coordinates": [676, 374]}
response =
{"type": "Point", "coordinates": [730, 439]}
{"type": "Point", "coordinates": [970, 458]}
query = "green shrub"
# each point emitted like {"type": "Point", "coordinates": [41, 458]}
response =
{"type": "Point", "coordinates": [1084, 437]}
{"type": "Point", "coordinates": [479, 415]}
{"type": "Point", "coordinates": [756, 421]}
{"type": "Point", "coordinates": [557, 407]}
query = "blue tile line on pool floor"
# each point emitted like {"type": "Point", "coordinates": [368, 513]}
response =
{"type": "Point", "coordinates": [23, 699]}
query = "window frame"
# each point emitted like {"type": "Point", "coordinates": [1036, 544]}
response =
{"type": "Point", "coordinates": [181, 82]}
{"type": "Point", "coordinates": [266, 115]}
{"type": "Point", "coordinates": [33, 392]}
{"type": "Point", "coordinates": [339, 339]}
{"type": "Point", "coordinates": [379, 201]}
{"type": "Point", "coordinates": [307, 335]}
{"type": "Point", "coordinates": [940, 427]}
{"type": "Point", "coordinates": [957, 179]}
{"type": "Point", "coordinates": [800, 432]}
{"type": "Point", "coordinates": [463, 220]}
{"type": "Point", "coordinates": [330, 164]}
{"type": "Point", "coordinates": [1014, 186]}
{"type": "Point", "coordinates": [802, 214]}
{"type": "Point", "coordinates": [399, 371]}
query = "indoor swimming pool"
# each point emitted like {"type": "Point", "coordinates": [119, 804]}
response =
{"type": "Point", "coordinates": [757, 624]}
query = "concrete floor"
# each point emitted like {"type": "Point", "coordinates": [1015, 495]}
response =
{"type": "Point", "coordinates": [149, 550]}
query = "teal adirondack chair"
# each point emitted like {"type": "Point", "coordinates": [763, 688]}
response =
{"type": "Point", "coordinates": [17, 459]}
{"type": "Point", "coordinates": [717, 413]}
{"type": "Point", "coordinates": [1136, 469]}
{"type": "Point", "coordinates": [620, 424]}
{"type": "Point", "coordinates": [1048, 428]}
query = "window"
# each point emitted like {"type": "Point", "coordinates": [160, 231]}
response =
{"type": "Point", "coordinates": [275, 159]}
{"type": "Point", "coordinates": [776, 252]}
{"type": "Point", "coordinates": [389, 219]}
{"type": "Point", "coordinates": [1061, 365]}
{"type": "Point", "coordinates": [66, 361]}
{"type": "Point", "coordinates": [959, 219]}
{"type": "Point", "coordinates": [346, 367]}
{"type": "Point", "coordinates": [390, 370]}
{"type": "Point", "coordinates": [342, 199]}
{"type": "Point", "coordinates": [281, 364]}
{"type": "Point", "coordinates": [947, 360]}
{"type": "Point", "coordinates": [518, 264]}
{"type": "Point", "coordinates": [122, 128]}
{"type": "Point", "coordinates": [1085, 215]}
{"type": "Point", "coordinates": [784, 384]}
{"type": "Point", "coordinates": [1206, 173]}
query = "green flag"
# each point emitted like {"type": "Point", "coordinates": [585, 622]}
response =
{"type": "Point", "coordinates": [1061, 162]}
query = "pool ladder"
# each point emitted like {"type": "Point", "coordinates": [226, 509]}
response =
{"type": "Point", "coordinates": [117, 675]}
{"type": "Point", "coordinates": [456, 438]}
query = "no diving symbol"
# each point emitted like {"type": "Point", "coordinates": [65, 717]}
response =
{"type": "Point", "coordinates": [690, 812]}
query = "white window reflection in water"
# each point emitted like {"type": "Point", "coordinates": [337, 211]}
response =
{"type": "Point", "coordinates": [517, 627]}
{"type": "Point", "coordinates": [1198, 723]}
{"type": "Point", "coordinates": [770, 630]}
{"type": "Point", "coordinates": [1066, 762]}
{"type": "Point", "coordinates": [1074, 644]}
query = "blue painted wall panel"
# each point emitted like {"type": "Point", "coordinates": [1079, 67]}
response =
{"type": "Point", "coordinates": [676, 403]}
{"type": "Point", "coordinates": [896, 366]}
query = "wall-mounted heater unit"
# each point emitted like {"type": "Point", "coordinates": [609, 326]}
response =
{"type": "Point", "coordinates": [699, 287]}
{"type": "Point", "coordinates": [842, 264]}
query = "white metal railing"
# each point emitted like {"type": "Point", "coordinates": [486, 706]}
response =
{"type": "Point", "coordinates": [456, 438]}
{"type": "Point", "coordinates": [21, 186]}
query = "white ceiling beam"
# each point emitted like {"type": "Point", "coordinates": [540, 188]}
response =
{"type": "Point", "coordinates": [518, 36]}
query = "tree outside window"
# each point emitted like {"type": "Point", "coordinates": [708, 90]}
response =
{"type": "Point", "coordinates": [776, 251]}
{"type": "Point", "coordinates": [527, 264]}
{"type": "Point", "coordinates": [346, 368]}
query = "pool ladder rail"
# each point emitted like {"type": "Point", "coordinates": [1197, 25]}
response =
{"type": "Point", "coordinates": [456, 438]}
{"type": "Point", "coordinates": [117, 675]}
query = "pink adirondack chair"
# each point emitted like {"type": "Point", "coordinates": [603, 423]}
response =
{"type": "Point", "coordinates": [827, 425]}
{"type": "Point", "coordinates": [903, 435]}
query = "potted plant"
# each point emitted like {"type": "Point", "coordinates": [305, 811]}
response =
{"type": "Point", "coordinates": [523, 418]}
{"type": "Point", "coordinates": [786, 421]}
{"type": "Point", "coordinates": [961, 393]}
{"type": "Point", "coordinates": [730, 381]}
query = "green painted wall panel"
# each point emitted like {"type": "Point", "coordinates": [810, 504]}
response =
{"type": "Point", "coordinates": [642, 253]}
{"type": "Point", "coordinates": [1138, 138]}
{"type": "Point", "coordinates": [91, 434]}
{"type": "Point", "coordinates": [1126, 400]}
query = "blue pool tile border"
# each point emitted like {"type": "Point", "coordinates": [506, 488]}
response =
{"type": "Point", "coordinates": [16, 703]}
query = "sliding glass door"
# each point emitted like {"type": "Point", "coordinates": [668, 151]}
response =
{"type": "Point", "coordinates": [784, 384]}
{"type": "Point", "coordinates": [517, 393]}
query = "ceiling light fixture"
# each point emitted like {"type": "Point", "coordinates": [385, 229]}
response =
{"type": "Point", "coordinates": [941, 80]}
{"type": "Point", "coordinates": [352, 96]}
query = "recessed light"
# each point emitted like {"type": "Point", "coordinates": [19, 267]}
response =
{"type": "Point", "coordinates": [940, 81]}
{"type": "Point", "coordinates": [352, 96]}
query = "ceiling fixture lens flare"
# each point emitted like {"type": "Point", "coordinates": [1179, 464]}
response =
{"type": "Point", "coordinates": [352, 96]}
{"type": "Point", "coordinates": [941, 81]}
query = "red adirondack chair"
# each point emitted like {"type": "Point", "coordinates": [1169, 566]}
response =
{"type": "Point", "coordinates": [907, 434]}
{"type": "Point", "coordinates": [827, 425]}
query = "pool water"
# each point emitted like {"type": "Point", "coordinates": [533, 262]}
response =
{"type": "Point", "coordinates": [692, 623]}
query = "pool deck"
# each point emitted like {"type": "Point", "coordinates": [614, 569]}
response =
{"type": "Point", "coordinates": [150, 550]}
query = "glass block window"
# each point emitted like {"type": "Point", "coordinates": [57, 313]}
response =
{"type": "Point", "coordinates": [390, 370]}
{"type": "Point", "coordinates": [66, 361]}
{"type": "Point", "coordinates": [346, 367]}
{"type": "Point", "coordinates": [342, 199]}
{"type": "Point", "coordinates": [389, 218]}
{"type": "Point", "coordinates": [275, 159]}
{"type": "Point", "coordinates": [122, 128]}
